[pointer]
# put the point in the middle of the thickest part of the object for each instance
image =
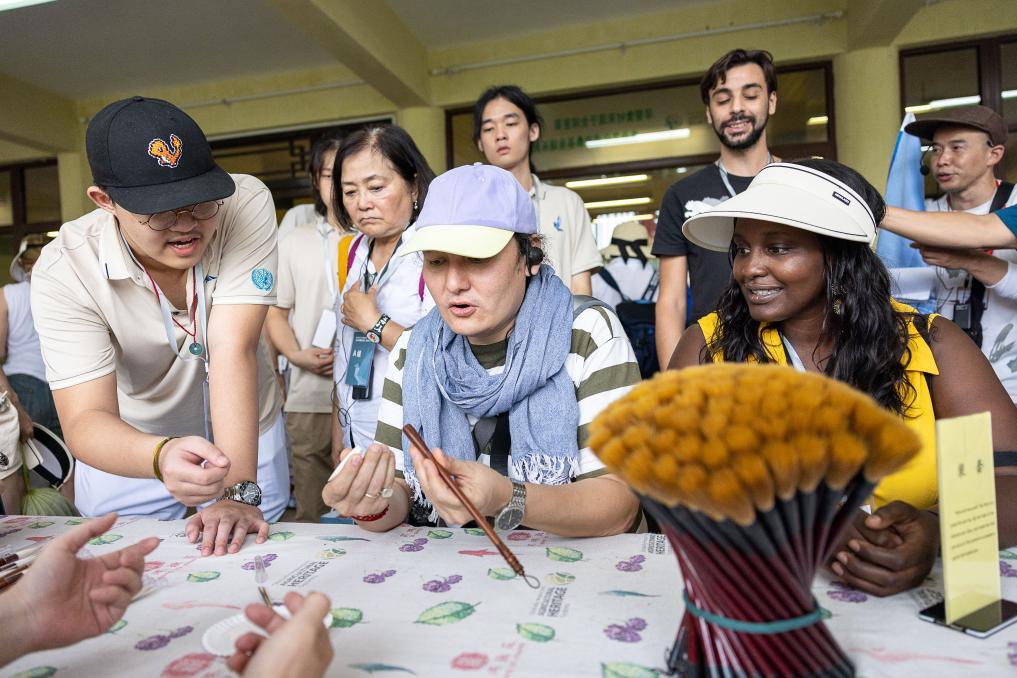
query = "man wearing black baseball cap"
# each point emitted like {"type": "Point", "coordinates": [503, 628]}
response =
{"type": "Point", "coordinates": [976, 289]}
{"type": "Point", "coordinates": [149, 311]}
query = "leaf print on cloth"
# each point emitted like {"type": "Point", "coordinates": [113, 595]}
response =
{"type": "Point", "coordinates": [1006, 569]}
{"type": "Point", "coordinates": [282, 536]}
{"type": "Point", "coordinates": [560, 578]}
{"type": "Point", "coordinates": [203, 576]}
{"type": "Point", "coordinates": [446, 613]}
{"type": "Point", "coordinates": [1011, 653]}
{"type": "Point", "coordinates": [345, 617]}
{"type": "Point", "coordinates": [188, 665]}
{"type": "Point", "coordinates": [564, 554]}
{"type": "Point", "coordinates": [120, 623]}
{"type": "Point", "coordinates": [626, 671]}
{"type": "Point", "coordinates": [1008, 555]}
{"type": "Point", "coordinates": [39, 524]}
{"type": "Point", "coordinates": [501, 573]}
{"type": "Point", "coordinates": [379, 668]}
{"type": "Point", "coordinates": [846, 594]}
{"type": "Point", "coordinates": [340, 538]}
{"type": "Point", "coordinates": [541, 633]}
{"type": "Point", "coordinates": [104, 539]}
{"type": "Point", "coordinates": [635, 594]}
{"type": "Point", "coordinates": [439, 534]}
{"type": "Point", "coordinates": [37, 672]}
{"type": "Point", "coordinates": [475, 532]}
{"type": "Point", "coordinates": [161, 640]}
{"type": "Point", "coordinates": [330, 554]}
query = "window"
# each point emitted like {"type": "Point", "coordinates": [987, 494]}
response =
{"type": "Point", "coordinates": [29, 203]}
{"type": "Point", "coordinates": [641, 172]}
{"type": "Point", "coordinates": [280, 159]}
{"type": "Point", "coordinates": [939, 77]}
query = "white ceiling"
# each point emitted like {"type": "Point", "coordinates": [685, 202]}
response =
{"type": "Point", "coordinates": [443, 23]}
{"type": "Point", "coordinates": [87, 48]}
{"type": "Point", "coordinates": [81, 48]}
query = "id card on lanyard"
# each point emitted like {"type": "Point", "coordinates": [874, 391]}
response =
{"type": "Point", "coordinates": [359, 367]}
{"type": "Point", "coordinates": [195, 350]}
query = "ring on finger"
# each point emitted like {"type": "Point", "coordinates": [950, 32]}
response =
{"type": "Point", "coordinates": [372, 496]}
{"type": "Point", "coordinates": [386, 492]}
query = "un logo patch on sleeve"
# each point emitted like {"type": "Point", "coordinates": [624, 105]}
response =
{"type": "Point", "coordinates": [262, 279]}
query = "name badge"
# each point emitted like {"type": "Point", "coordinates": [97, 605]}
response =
{"type": "Point", "coordinates": [324, 333]}
{"type": "Point", "coordinates": [358, 370]}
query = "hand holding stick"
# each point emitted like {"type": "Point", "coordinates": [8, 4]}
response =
{"type": "Point", "coordinates": [509, 557]}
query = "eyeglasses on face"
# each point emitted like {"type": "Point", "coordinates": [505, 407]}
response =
{"type": "Point", "coordinates": [160, 221]}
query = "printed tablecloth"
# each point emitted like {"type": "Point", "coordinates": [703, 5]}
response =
{"type": "Point", "coordinates": [442, 602]}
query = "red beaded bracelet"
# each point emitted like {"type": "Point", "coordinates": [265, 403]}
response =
{"type": "Point", "coordinates": [372, 517]}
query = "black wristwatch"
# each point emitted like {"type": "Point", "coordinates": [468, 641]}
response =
{"type": "Point", "coordinates": [511, 516]}
{"type": "Point", "coordinates": [245, 492]}
{"type": "Point", "coordinates": [374, 334]}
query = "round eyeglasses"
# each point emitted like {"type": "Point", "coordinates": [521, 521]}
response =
{"type": "Point", "coordinates": [160, 221]}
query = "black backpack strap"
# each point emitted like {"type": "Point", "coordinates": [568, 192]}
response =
{"type": "Point", "coordinates": [977, 300]}
{"type": "Point", "coordinates": [651, 286]}
{"type": "Point", "coordinates": [606, 276]}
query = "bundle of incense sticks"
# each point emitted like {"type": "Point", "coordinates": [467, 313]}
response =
{"type": "Point", "coordinates": [753, 472]}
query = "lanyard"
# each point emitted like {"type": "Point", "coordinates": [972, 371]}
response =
{"type": "Point", "coordinates": [196, 350]}
{"type": "Point", "coordinates": [378, 277]}
{"type": "Point", "coordinates": [796, 361]}
{"type": "Point", "coordinates": [323, 230]}
{"type": "Point", "coordinates": [535, 199]}
{"type": "Point", "coordinates": [727, 182]}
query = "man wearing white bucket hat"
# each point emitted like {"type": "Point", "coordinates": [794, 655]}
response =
{"type": "Point", "coordinates": [23, 376]}
{"type": "Point", "coordinates": [807, 291]}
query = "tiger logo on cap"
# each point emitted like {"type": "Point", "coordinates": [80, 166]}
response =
{"type": "Point", "coordinates": [160, 150]}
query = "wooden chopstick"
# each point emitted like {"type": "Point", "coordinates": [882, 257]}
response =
{"type": "Point", "coordinates": [481, 521]}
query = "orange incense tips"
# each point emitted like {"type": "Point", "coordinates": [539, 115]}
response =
{"type": "Point", "coordinates": [732, 439]}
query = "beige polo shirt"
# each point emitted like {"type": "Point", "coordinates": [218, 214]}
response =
{"type": "Point", "coordinates": [569, 243]}
{"type": "Point", "coordinates": [97, 313]}
{"type": "Point", "coordinates": [307, 286]}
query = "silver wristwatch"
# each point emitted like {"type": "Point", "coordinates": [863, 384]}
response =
{"type": "Point", "coordinates": [245, 492]}
{"type": "Point", "coordinates": [511, 516]}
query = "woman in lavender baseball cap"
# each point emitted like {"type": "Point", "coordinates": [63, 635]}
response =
{"type": "Point", "coordinates": [503, 377]}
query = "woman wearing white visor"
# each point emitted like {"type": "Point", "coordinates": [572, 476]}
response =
{"type": "Point", "coordinates": [807, 291]}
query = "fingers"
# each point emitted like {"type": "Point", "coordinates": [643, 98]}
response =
{"type": "Point", "coordinates": [312, 609]}
{"type": "Point", "coordinates": [262, 532]}
{"type": "Point", "coordinates": [74, 539]}
{"type": "Point", "coordinates": [238, 537]}
{"type": "Point", "coordinates": [246, 645]}
{"type": "Point", "coordinates": [893, 513]}
{"type": "Point", "coordinates": [193, 528]}
{"type": "Point", "coordinates": [294, 601]}
{"type": "Point", "coordinates": [199, 447]}
{"type": "Point", "coordinates": [264, 617]}
{"type": "Point", "coordinates": [208, 533]}
{"type": "Point", "coordinates": [873, 578]}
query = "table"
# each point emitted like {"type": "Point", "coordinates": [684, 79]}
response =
{"type": "Point", "coordinates": [437, 602]}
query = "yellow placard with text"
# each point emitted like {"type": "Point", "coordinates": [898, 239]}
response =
{"type": "Point", "coordinates": [967, 514]}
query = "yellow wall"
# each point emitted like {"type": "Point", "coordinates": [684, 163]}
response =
{"type": "Point", "coordinates": [866, 79]}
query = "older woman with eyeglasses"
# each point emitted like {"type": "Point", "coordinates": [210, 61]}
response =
{"type": "Point", "coordinates": [149, 311]}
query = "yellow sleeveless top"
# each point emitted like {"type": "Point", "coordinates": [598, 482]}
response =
{"type": "Point", "coordinates": [916, 483]}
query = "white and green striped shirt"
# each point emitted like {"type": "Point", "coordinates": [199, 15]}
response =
{"type": "Point", "coordinates": [600, 362]}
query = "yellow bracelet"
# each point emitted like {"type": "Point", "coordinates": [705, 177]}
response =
{"type": "Point", "coordinates": [155, 457]}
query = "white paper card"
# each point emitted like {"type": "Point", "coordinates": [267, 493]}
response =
{"type": "Point", "coordinates": [913, 283]}
{"type": "Point", "coordinates": [324, 334]}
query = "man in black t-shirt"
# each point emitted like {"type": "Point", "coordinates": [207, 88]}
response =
{"type": "Point", "coordinates": [740, 94]}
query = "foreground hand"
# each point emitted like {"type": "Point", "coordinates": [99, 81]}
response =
{"type": "Point", "coordinates": [899, 559]}
{"type": "Point", "coordinates": [66, 598]}
{"type": "Point", "coordinates": [193, 470]}
{"type": "Point", "coordinates": [314, 359]}
{"type": "Point", "coordinates": [224, 525]}
{"type": "Point", "coordinates": [359, 309]}
{"type": "Point", "coordinates": [298, 647]}
{"type": "Point", "coordinates": [488, 490]}
{"type": "Point", "coordinates": [368, 474]}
